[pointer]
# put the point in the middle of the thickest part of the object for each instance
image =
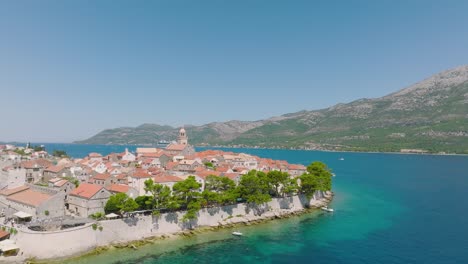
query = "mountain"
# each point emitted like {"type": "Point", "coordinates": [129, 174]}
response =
{"type": "Point", "coordinates": [430, 115]}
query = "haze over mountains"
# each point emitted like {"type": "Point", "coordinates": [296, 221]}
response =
{"type": "Point", "coordinates": [430, 115]}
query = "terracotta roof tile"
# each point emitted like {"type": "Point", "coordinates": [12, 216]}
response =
{"type": "Point", "coordinates": [14, 190]}
{"type": "Point", "coordinates": [167, 178]}
{"type": "Point", "coordinates": [86, 190]}
{"type": "Point", "coordinates": [29, 197]}
{"type": "Point", "coordinates": [118, 188]}
{"type": "Point", "coordinates": [60, 183]}
{"type": "Point", "coordinates": [102, 176]}
{"type": "Point", "coordinates": [177, 147]}
{"type": "Point", "coordinates": [54, 169]}
{"type": "Point", "coordinates": [141, 174]}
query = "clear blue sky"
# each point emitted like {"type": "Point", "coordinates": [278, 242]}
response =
{"type": "Point", "coordinates": [69, 69]}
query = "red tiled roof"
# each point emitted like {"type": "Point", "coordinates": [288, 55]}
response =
{"type": "Point", "coordinates": [167, 178]}
{"type": "Point", "coordinates": [4, 234]}
{"type": "Point", "coordinates": [222, 169]}
{"type": "Point", "coordinates": [86, 190]}
{"type": "Point", "coordinates": [296, 167]}
{"type": "Point", "coordinates": [54, 169]}
{"type": "Point", "coordinates": [141, 174]}
{"type": "Point", "coordinates": [30, 164]}
{"type": "Point", "coordinates": [54, 180]}
{"type": "Point", "coordinates": [118, 188]}
{"type": "Point", "coordinates": [151, 155]}
{"type": "Point", "coordinates": [148, 161]}
{"type": "Point", "coordinates": [231, 176]}
{"type": "Point", "coordinates": [29, 197]}
{"type": "Point", "coordinates": [101, 176]}
{"type": "Point", "coordinates": [121, 176]}
{"type": "Point", "coordinates": [60, 183]}
{"type": "Point", "coordinates": [206, 173]}
{"type": "Point", "coordinates": [178, 147]}
{"type": "Point", "coordinates": [170, 165]}
{"type": "Point", "coordinates": [14, 190]}
{"type": "Point", "coordinates": [94, 155]}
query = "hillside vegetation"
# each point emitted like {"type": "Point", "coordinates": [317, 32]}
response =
{"type": "Point", "coordinates": [431, 115]}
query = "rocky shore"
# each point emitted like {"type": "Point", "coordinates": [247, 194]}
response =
{"type": "Point", "coordinates": [229, 221]}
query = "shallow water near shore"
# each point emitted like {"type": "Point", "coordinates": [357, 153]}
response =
{"type": "Point", "coordinates": [388, 209]}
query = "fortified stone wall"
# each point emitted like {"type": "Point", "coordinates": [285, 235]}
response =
{"type": "Point", "coordinates": [44, 245]}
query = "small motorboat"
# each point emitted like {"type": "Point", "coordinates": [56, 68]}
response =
{"type": "Point", "coordinates": [341, 158]}
{"type": "Point", "coordinates": [333, 174]}
{"type": "Point", "coordinates": [325, 208]}
{"type": "Point", "coordinates": [236, 233]}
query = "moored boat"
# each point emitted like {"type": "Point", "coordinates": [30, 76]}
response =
{"type": "Point", "coordinates": [236, 233]}
{"type": "Point", "coordinates": [325, 208]}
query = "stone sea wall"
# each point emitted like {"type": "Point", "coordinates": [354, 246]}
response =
{"type": "Point", "coordinates": [63, 243]}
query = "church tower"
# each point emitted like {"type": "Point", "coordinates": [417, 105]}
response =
{"type": "Point", "coordinates": [182, 139]}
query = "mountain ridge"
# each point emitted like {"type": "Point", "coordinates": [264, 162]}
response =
{"type": "Point", "coordinates": [431, 114]}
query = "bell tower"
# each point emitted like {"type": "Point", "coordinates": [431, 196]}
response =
{"type": "Point", "coordinates": [182, 139]}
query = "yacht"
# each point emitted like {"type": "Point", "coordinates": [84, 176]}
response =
{"type": "Point", "coordinates": [325, 208]}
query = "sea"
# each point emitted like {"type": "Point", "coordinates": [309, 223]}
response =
{"type": "Point", "coordinates": [389, 208]}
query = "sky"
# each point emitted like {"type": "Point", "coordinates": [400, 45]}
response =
{"type": "Point", "coordinates": [69, 69]}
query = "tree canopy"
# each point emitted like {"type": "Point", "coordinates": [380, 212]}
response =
{"type": "Point", "coordinates": [160, 194]}
{"type": "Point", "coordinates": [120, 202]}
{"type": "Point", "coordinates": [254, 187]}
{"type": "Point", "coordinates": [317, 178]}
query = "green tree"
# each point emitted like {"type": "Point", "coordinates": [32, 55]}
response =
{"type": "Point", "coordinates": [322, 174]}
{"type": "Point", "coordinates": [219, 184]}
{"type": "Point", "coordinates": [317, 178]}
{"type": "Point", "coordinates": [186, 194]}
{"type": "Point", "coordinates": [308, 184]}
{"type": "Point", "coordinates": [38, 148]}
{"type": "Point", "coordinates": [220, 191]}
{"type": "Point", "coordinates": [290, 187]}
{"type": "Point", "coordinates": [60, 154]}
{"type": "Point", "coordinates": [192, 209]}
{"type": "Point", "coordinates": [209, 164]}
{"type": "Point", "coordinates": [144, 202]}
{"type": "Point", "coordinates": [160, 194]}
{"type": "Point", "coordinates": [115, 203]}
{"type": "Point", "coordinates": [254, 187]}
{"type": "Point", "coordinates": [277, 179]}
{"type": "Point", "coordinates": [129, 205]}
{"type": "Point", "coordinates": [187, 190]}
{"type": "Point", "coordinates": [210, 198]}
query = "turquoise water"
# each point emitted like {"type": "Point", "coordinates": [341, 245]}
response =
{"type": "Point", "coordinates": [388, 209]}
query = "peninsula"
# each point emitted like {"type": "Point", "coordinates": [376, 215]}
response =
{"type": "Point", "coordinates": [78, 205]}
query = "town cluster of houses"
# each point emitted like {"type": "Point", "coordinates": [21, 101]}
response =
{"type": "Point", "coordinates": [42, 186]}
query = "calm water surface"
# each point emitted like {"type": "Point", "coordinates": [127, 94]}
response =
{"type": "Point", "coordinates": [388, 209]}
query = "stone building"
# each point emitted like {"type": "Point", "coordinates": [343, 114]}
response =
{"type": "Point", "coordinates": [87, 199]}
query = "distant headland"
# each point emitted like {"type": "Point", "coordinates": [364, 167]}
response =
{"type": "Point", "coordinates": [427, 117]}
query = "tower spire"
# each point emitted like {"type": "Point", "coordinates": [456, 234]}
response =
{"type": "Point", "coordinates": [182, 139]}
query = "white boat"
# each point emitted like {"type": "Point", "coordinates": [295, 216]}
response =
{"type": "Point", "coordinates": [235, 233]}
{"type": "Point", "coordinates": [341, 158]}
{"type": "Point", "coordinates": [333, 174]}
{"type": "Point", "coordinates": [325, 208]}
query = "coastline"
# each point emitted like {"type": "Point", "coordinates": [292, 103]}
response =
{"type": "Point", "coordinates": [254, 147]}
{"type": "Point", "coordinates": [44, 255]}
{"type": "Point", "coordinates": [339, 151]}
{"type": "Point", "coordinates": [135, 244]}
